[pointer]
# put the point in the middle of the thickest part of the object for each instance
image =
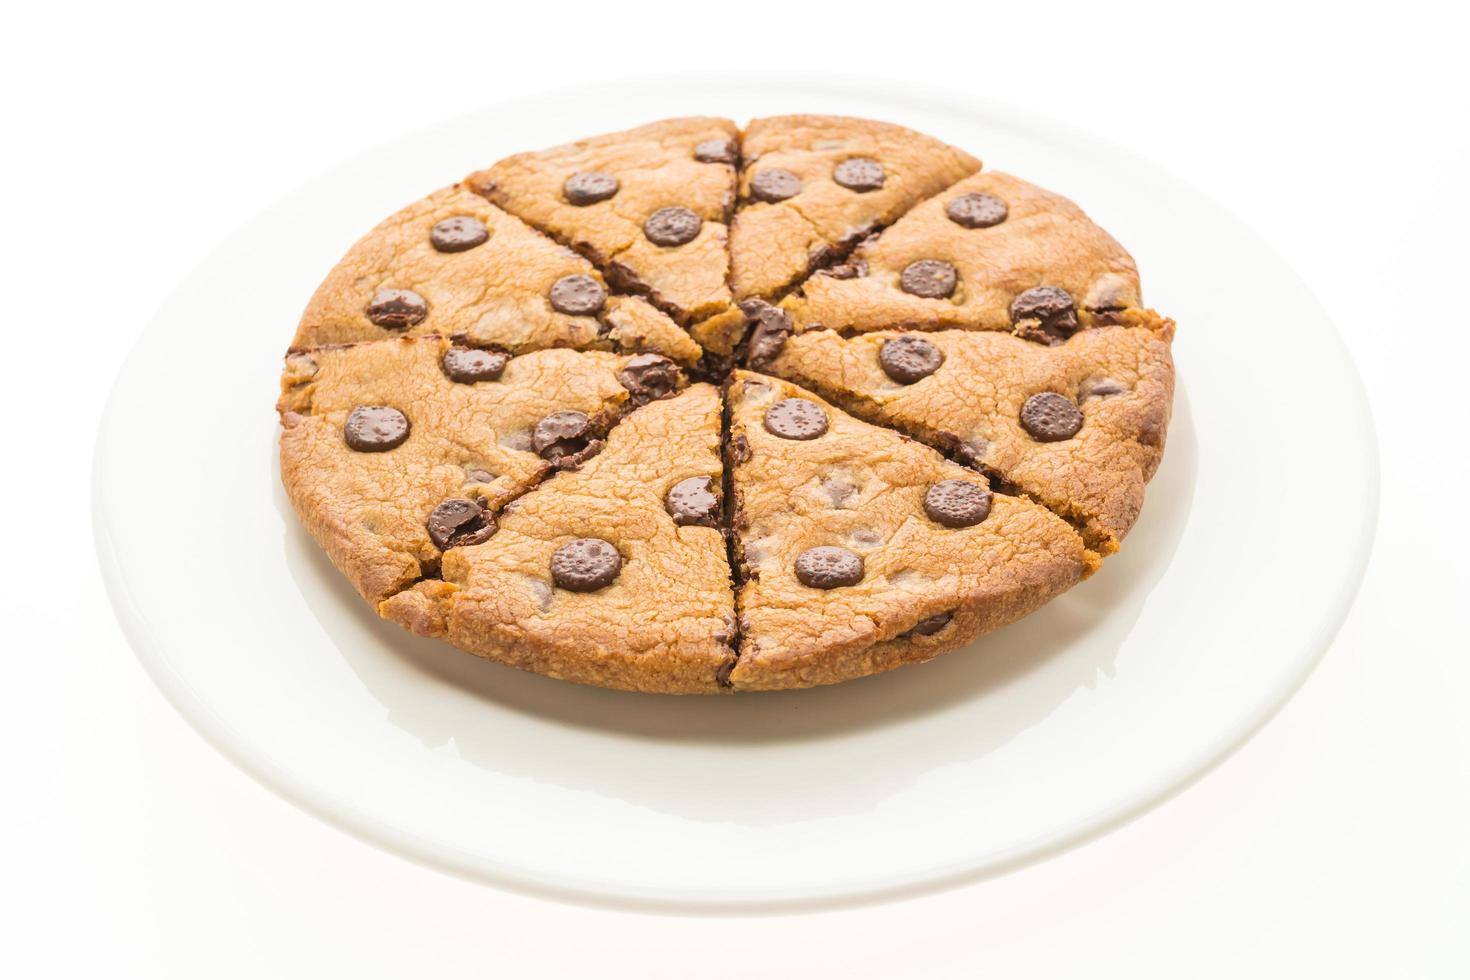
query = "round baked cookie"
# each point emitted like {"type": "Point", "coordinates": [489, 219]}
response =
{"type": "Point", "coordinates": [454, 264]}
{"type": "Point", "coordinates": [1021, 260]}
{"type": "Point", "coordinates": [1079, 426]}
{"type": "Point", "coordinates": [375, 436]}
{"type": "Point", "coordinates": [642, 600]}
{"type": "Point", "coordinates": [953, 400]}
{"type": "Point", "coordinates": [851, 540]}
{"type": "Point", "coordinates": [647, 205]}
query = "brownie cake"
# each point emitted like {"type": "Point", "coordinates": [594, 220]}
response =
{"type": "Point", "coordinates": [696, 409]}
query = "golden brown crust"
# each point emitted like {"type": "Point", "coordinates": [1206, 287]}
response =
{"type": "Point", "coordinates": [971, 406]}
{"type": "Point", "coordinates": [632, 326]}
{"type": "Point", "coordinates": [1045, 239]}
{"type": "Point", "coordinates": [671, 621]}
{"type": "Point", "coordinates": [664, 625]}
{"type": "Point", "coordinates": [772, 245]}
{"type": "Point", "coordinates": [720, 334]}
{"type": "Point", "coordinates": [656, 167]}
{"type": "Point", "coordinates": [367, 510]}
{"type": "Point", "coordinates": [496, 294]}
{"type": "Point", "coordinates": [862, 488]}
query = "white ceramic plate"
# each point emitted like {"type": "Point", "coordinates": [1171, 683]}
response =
{"type": "Point", "coordinates": [1231, 586]}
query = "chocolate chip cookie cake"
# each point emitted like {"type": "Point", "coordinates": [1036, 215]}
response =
{"type": "Point", "coordinates": [692, 408]}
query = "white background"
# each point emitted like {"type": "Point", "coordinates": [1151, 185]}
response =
{"type": "Point", "coordinates": [138, 136]}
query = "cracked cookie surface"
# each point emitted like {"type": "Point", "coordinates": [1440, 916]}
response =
{"type": "Point", "coordinates": [862, 550]}
{"type": "Point", "coordinates": [993, 237]}
{"type": "Point", "coordinates": [370, 510]}
{"type": "Point", "coordinates": [648, 205]}
{"type": "Point", "coordinates": [488, 427]}
{"type": "Point", "coordinates": [453, 264]}
{"type": "Point", "coordinates": [1088, 459]}
{"type": "Point", "coordinates": [639, 600]}
{"type": "Point", "coordinates": [812, 186]}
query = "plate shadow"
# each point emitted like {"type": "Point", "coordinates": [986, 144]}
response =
{"type": "Point", "coordinates": [1102, 610]}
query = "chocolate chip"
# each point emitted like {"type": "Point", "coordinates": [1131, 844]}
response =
{"type": "Point", "coordinates": [768, 338]}
{"type": "Point", "coordinates": [300, 368]}
{"type": "Point", "coordinates": [1050, 417]}
{"type": "Point", "coordinates": [470, 364]}
{"type": "Point", "coordinates": [839, 490]}
{"type": "Point", "coordinates": [477, 474]}
{"type": "Point", "coordinates": [727, 632]}
{"type": "Point", "coordinates": [561, 434]}
{"type": "Point", "coordinates": [909, 358]}
{"type": "Point", "coordinates": [1099, 388]}
{"type": "Point", "coordinates": [649, 377]}
{"type": "Point", "coordinates": [693, 501]}
{"type": "Point", "coordinates": [818, 256]}
{"type": "Point", "coordinates": [1044, 314]}
{"type": "Point", "coordinates": [931, 625]}
{"type": "Point", "coordinates": [971, 452]}
{"type": "Point", "coordinates": [929, 278]}
{"type": "Point", "coordinates": [459, 523]}
{"type": "Point", "coordinates": [859, 174]}
{"type": "Point", "coordinates": [796, 418]}
{"type": "Point", "coordinates": [739, 450]}
{"type": "Point", "coordinates": [716, 151]}
{"type": "Point", "coordinates": [375, 428]}
{"type": "Point", "coordinates": [977, 210]}
{"type": "Point", "coordinates": [458, 234]}
{"type": "Point", "coordinates": [672, 226]}
{"type": "Point", "coordinates": [855, 269]}
{"type": "Point", "coordinates": [774, 184]}
{"type": "Point", "coordinates": [1041, 303]}
{"type": "Point", "coordinates": [957, 503]}
{"type": "Point", "coordinates": [397, 309]}
{"type": "Point", "coordinates": [585, 565]}
{"type": "Point", "coordinates": [588, 187]}
{"type": "Point", "coordinates": [577, 295]}
{"type": "Point", "coordinates": [828, 568]}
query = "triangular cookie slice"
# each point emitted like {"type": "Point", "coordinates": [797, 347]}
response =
{"type": "Point", "coordinates": [614, 575]}
{"type": "Point", "coordinates": [648, 205]}
{"type": "Point", "coordinates": [394, 450]}
{"type": "Point", "coordinates": [1080, 425]}
{"type": "Point", "coordinates": [811, 187]}
{"type": "Point", "coordinates": [862, 549]}
{"type": "Point", "coordinates": [453, 264]}
{"type": "Point", "coordinates": [990, 253]}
